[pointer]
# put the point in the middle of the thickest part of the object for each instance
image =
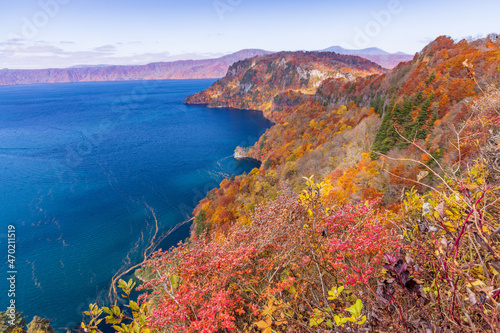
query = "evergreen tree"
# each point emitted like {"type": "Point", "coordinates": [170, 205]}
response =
{"type": "Point", "coordinates": [423, 114]}
{"type": "Point", "coordinates": [386, 134]}
{"type": "Point", "coordinates": [433, 119]}
{"type": "Point", "coordinates": [398, 114]}
{"type": "Point", "coordinates": [431, 77]}
{"type": "Point", "coordinates": [200, 223]}
{"type": "Point", "coordinates": [381, 135]}
{"type": "Point", "coordinates": [406, 111]}
{"type": "Point", "coordinates": [419, 99]}
{"type": "Point", "coordinates": [378, 104]}
{"type": "Point", "coordinates": [390, 106]}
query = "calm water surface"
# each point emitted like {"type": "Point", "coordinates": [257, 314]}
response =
{"type": "Point", "coordinates": [82, 168]}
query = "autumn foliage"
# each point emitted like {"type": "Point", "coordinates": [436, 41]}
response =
{"type": "Point", "coordinates": [284, 260]}
{"type": "Point", "coordinates": [395, 227]}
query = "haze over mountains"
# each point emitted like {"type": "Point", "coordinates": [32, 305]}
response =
{"type": "Point", "coordinates": [181, 69]}
{"type": "Point", "coordinates": [381, 57]}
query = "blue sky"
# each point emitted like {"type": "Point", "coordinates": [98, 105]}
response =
{"type": "Point", "coordinates": [63, 33]}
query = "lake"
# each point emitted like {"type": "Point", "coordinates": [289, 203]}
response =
{"type": "Point", "coordinates": [85, 167]}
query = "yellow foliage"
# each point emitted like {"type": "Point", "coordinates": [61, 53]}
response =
{"type": "Point", "coordinates": [341, 110]}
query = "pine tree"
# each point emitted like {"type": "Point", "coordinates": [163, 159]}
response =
{"type": "Point", "coordinates": [398, 114]}
{"type": "Point", "coordinates": [423, 114]}
{"type": "Point", "coordinates": [431, 77]}
{"type": "Point", "coordinates": [378, 104]}
{"type": "Point", "coordinates": [200, 223]}
{"type": "Point", "coordinates": [406, 111]}
{"type": "Point", "coordinates": [419, 99]}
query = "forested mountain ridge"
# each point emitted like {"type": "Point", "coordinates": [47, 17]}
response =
{"type": "Point", "coordinates": [253, 83]}
{"type": "Point", "coordinates": [394, 228]}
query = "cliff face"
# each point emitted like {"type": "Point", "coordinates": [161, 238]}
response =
{"type": "Point", "coordinates": [254, 83]}
{"type": "Point", "coordinates": [185, 69]}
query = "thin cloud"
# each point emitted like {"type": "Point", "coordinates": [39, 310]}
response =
{"type": "Point", "coordinates": [66, 59]}
{"type": "Point", "coordinates": [41, 55]}
{"type": "Point", "coordinates": [12, 41]}
{"type": "Point", "coordinates": [105, 48]}
{"type": "Point", "coordinates": [37, 48]}
{"type": "Point", "coordinates": [15, 41]}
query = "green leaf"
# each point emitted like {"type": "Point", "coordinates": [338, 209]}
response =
{"type": "Point", "coordinates": [355, 309]}
{"type": "Point", "coordinates": [142, 320]}
{"type": "Point", "coordinates": [361, 322]}
{"type": "Point", "coordinates": [284, 275]}
{"type": "Point", "coordinates": [335, 292]}
{"type": "Point", "coordinates": [122, 284]}
{"type": "Point", "coordinates": [358, 306]}
{"type": "Point", "coordinates": [315, 321]}
{"type": "Point", "coordinates": [351, 310]}
{"type": "Point", "coordinates": [340, 321]}
{"type": "Point", "coordinates": [133, 305]}
{"type": "Point", "coordinates": [174, 280]}
{"type": "Point", "coordinates": [116, 310]}
{"type": "Point", "coordinates": [112, 320]}
{"type": "Point", "coordinates": [118, 328]}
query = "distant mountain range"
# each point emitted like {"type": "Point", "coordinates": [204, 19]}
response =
{"type": "Point", "coordinates": [183, 69]}
{"type": "Point", "coordinates": [381, 57]}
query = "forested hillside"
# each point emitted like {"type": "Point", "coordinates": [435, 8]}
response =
{"type": "Point", "coordinates": [253, 83]}
{"type": "Point", "coordinates": [375, 208]}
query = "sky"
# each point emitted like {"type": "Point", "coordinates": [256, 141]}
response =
{"type": "Point", "coordinates": [65, 33]}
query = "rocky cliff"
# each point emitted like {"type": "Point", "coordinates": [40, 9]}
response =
{"type": "Point", "coordinates": [254, 83]}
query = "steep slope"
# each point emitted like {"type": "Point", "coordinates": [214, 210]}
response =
{"type": "Point", "coordinates": [381, 57]}
{"type": "Point", "coordinates": [407, 241]}
{"type": "Point", "coordinates": [253, 83]}
{"type": "Point", "coordinates": [184, 69]}
{"type": "Point", "coordinates": [329, 133]}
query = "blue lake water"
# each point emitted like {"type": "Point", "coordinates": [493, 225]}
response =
{"type": "Point", "coordinates": [82, 168]}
